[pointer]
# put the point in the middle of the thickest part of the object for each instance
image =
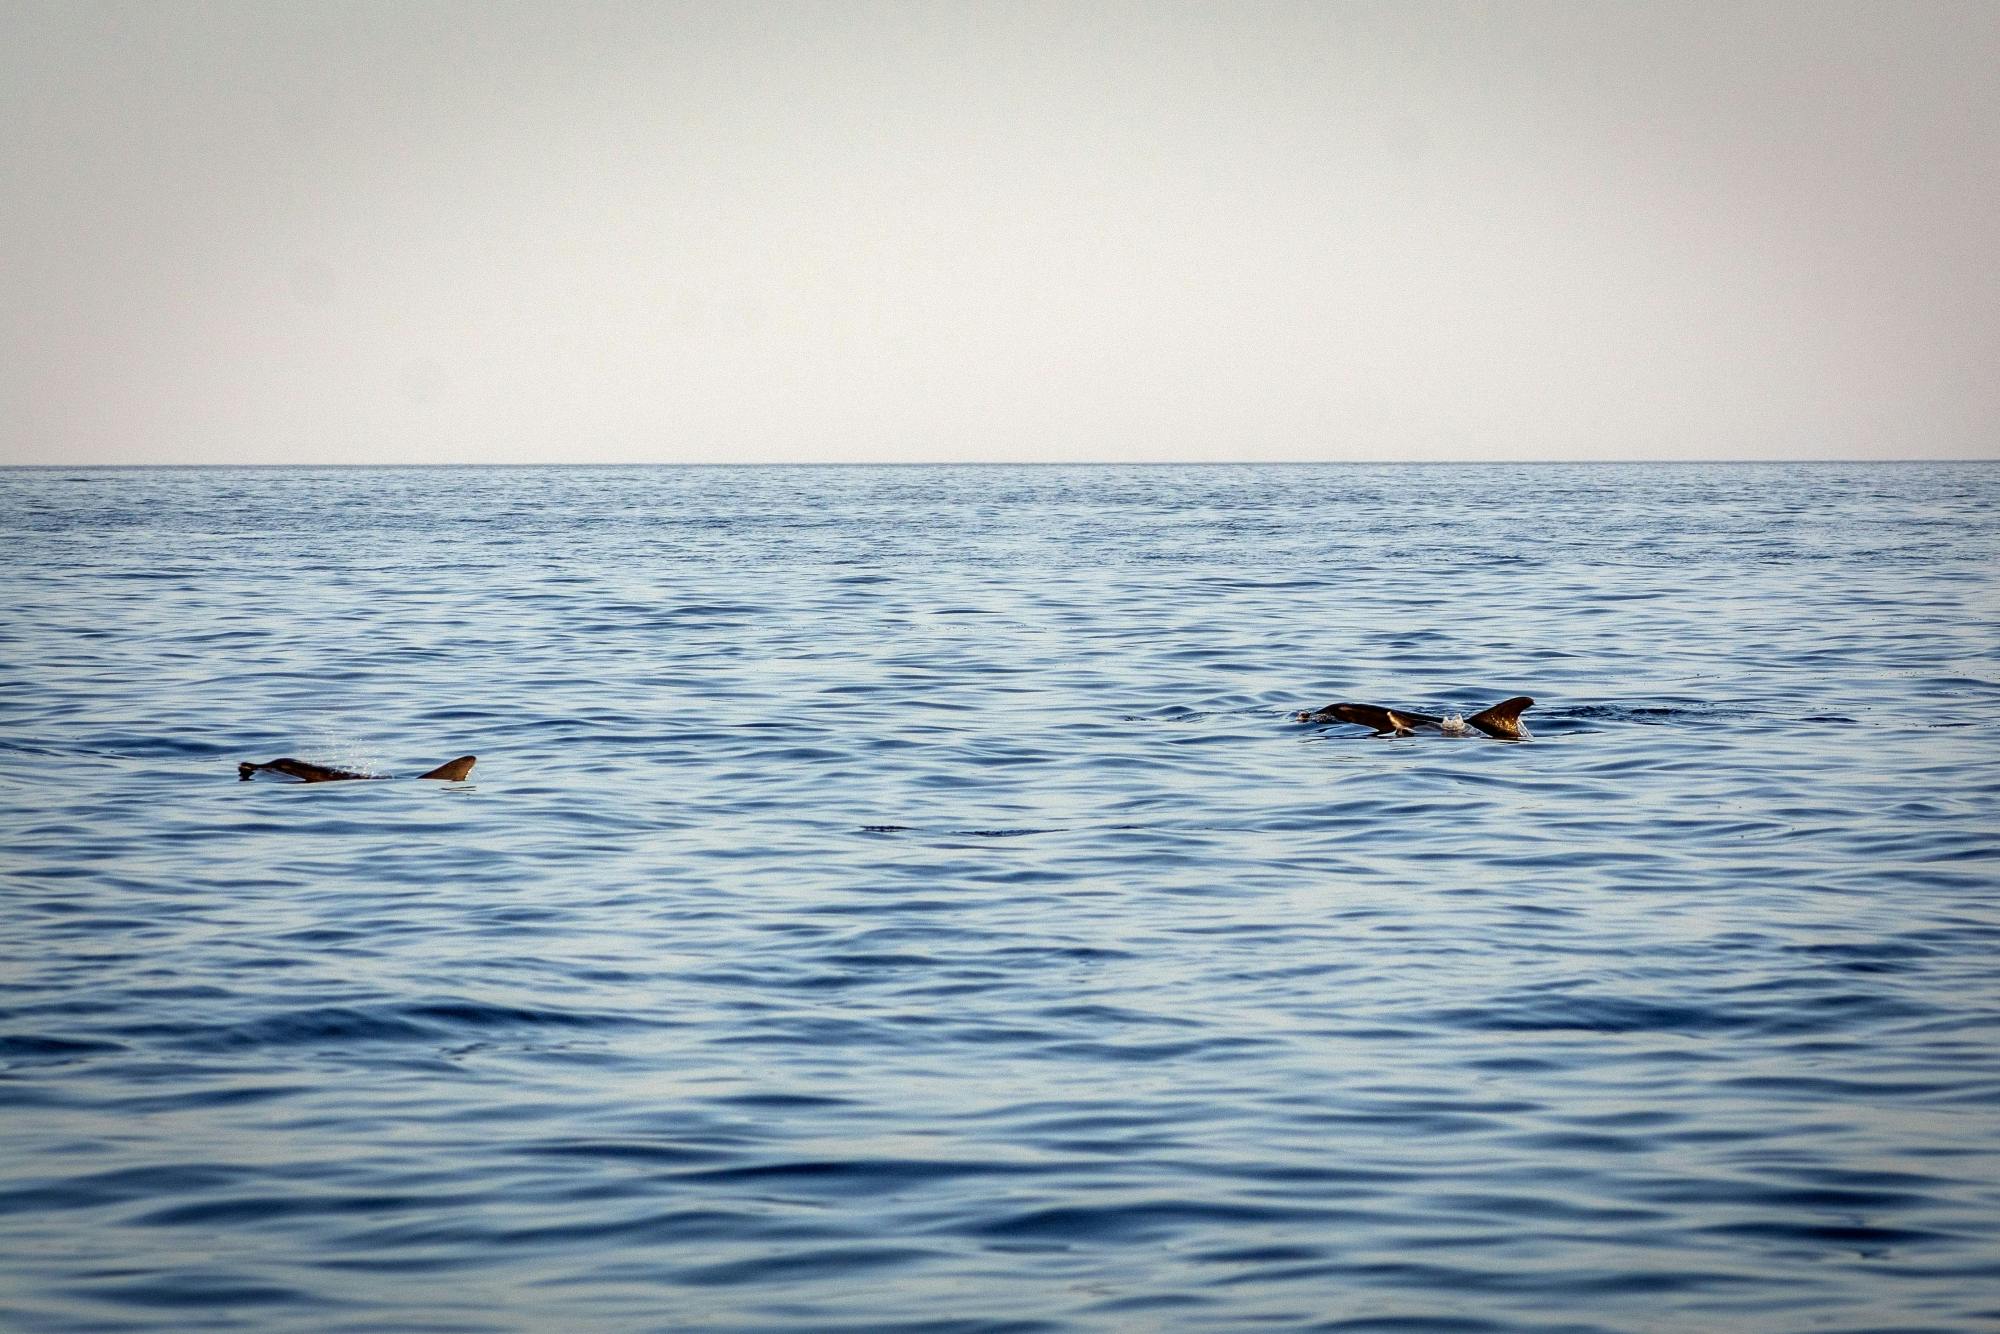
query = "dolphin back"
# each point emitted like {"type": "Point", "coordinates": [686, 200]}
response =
{"type": "Point", "coordinates": [300, 769]}
{"type": "Point", "coordinates": [453, 771]}
{"type": "Point", "coordinates": [1398, 721]}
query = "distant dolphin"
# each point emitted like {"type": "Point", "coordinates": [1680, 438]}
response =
{"type": "Point", "coordinates": [1502, 720]}
{"type": "Point", "coordinates": [452, 771]}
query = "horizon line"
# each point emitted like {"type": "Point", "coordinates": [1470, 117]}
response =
{"type": "Point", "coordinates": [1040, 463]}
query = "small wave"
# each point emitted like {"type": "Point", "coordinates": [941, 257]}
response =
{"type": "Point", "coordinates": [195, 1290]}
{"type": "Point", "coordinates": [1592, 1014]}
{"type": "Point", "coordinates": [843, 1262]}
{"type": "Point", "coordinates": [1637, 713]}
{"type": "Point", "coordinates": [165, 746]}
{"type": "Point", "coordinates": [418, 1022]}
{"type": "Point", "coordinates": [1147, 1220]}
{"type": "Point", "coordinates": [30, 1046]}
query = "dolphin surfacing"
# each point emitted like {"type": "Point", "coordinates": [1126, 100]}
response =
{"type": "Point", "coordinates": [451, 771]}
{"type": "Point", "coordinates": [1502, 720]}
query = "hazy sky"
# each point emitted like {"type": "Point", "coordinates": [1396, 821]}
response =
{"type": "Point", "coordinates": [462, 232]}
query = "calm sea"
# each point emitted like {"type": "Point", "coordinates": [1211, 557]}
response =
{"type": "Point", "coordinates": [899, 899]}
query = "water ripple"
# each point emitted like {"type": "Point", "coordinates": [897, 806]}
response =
{"type": "Point", "coordinates": [899, 899]}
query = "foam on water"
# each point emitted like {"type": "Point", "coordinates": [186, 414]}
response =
{"type": "Point", "coordinates": [900, 899]}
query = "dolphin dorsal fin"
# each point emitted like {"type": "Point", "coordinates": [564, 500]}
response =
{"type": "Point", "coordinates": [1503, 719]}
{"type": "Point", "coordinates": [452, 771]}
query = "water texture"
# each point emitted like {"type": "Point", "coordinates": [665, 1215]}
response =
{"type": "Point", "coordinates": [899, 899]}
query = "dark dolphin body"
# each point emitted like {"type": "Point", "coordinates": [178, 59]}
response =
{"type": "Point", "coordinates": [1502, 720]}
{"type": "Point", "coordinates": [452, 771]}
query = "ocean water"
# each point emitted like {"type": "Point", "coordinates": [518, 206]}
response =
{"type": "Point", "coordinates": [900, 899]}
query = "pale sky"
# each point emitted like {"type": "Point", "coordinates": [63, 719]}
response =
{"type": "Point", "coordinates": [714, 232]}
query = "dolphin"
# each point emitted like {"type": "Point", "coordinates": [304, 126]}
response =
{"type": "Point", "coordinates": [452, 771]}
{"type": "Point", "coordinates": [1502, 720]}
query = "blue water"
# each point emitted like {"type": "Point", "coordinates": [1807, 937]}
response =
{"type": "Point", "coordinates": [899, 899]}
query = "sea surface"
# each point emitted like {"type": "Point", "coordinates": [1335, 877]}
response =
{"type": "Point", "coordinates": [901, 899]}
